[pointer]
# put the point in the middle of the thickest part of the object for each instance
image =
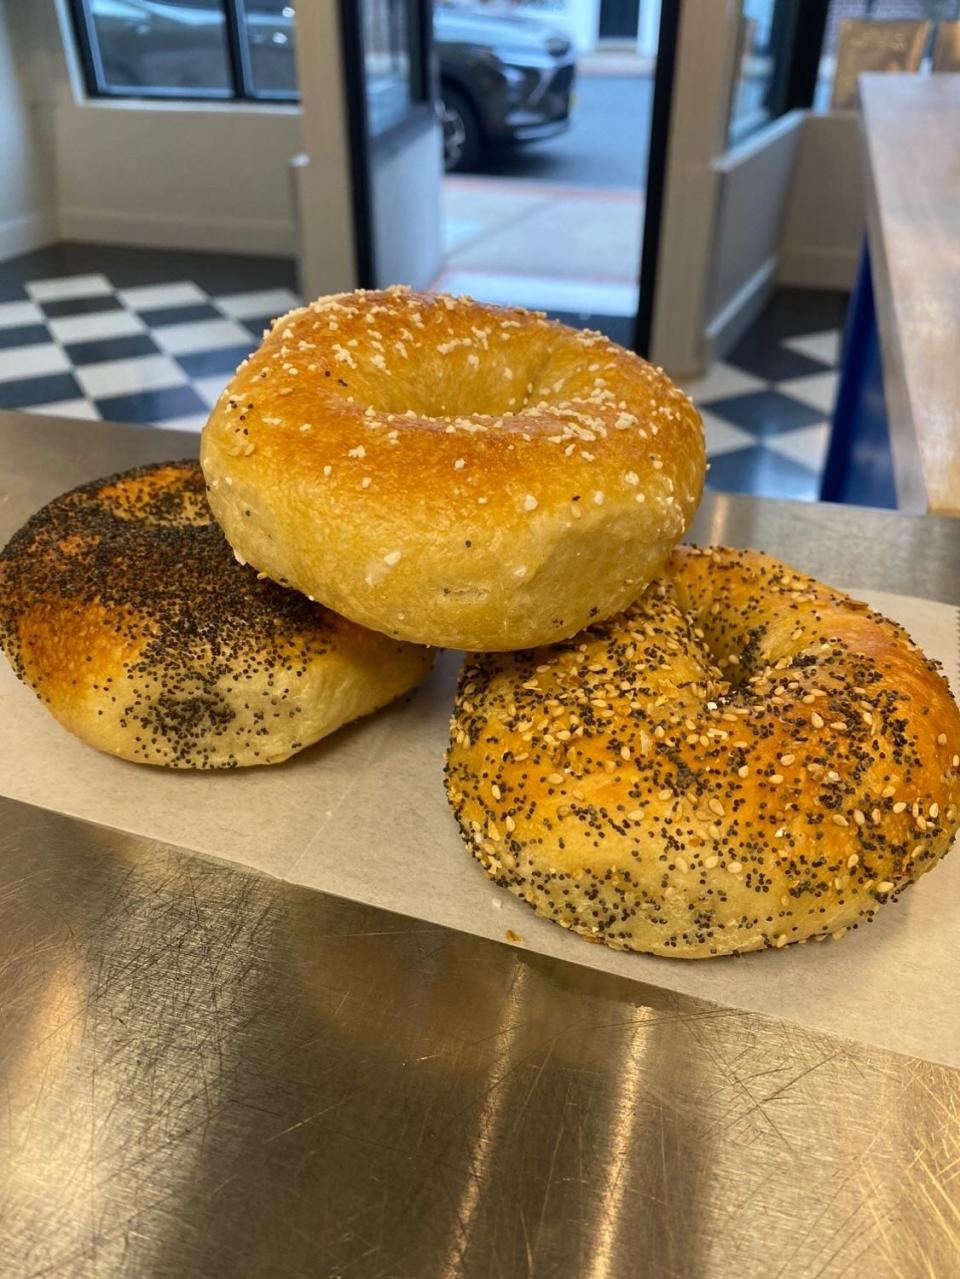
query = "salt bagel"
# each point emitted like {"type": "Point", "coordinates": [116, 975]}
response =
{"type": "Point", "coordinates": [123, 607]}
{"type": "Point", "coordinates": [449, 472]}
{"type": "Point", "coordinates": [742, 759]}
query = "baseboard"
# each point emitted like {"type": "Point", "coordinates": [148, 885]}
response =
{"type": "Point", "coordinates": [226, 235]}
{"type": "Point", "coordinates": [733, 320]}
{"type": "Point", "coordinates": [818, 268]}
{"type": "Point", "coordinates": [23, 235]}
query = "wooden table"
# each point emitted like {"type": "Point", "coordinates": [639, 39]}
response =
{"type": "Point", "coordinates": [909, 292]}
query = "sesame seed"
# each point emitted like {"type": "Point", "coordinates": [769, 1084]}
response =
{"type": "Point", "coordinates": [529, 502]}
{"type": "Point", "coordinates": [391, 558]}
{"type": "Point", "coordinates": [838, 819]}
{"type": "Point", "coordinates": [598, 498]}
{"type": "Point", "coordinates": [715, 806]}
{"type": "Point", "coordinates": [941, 739]}
{"type": "Point", "coordinates": [816, 720]}
{"type": "Point", "coordinates": [884, 886]}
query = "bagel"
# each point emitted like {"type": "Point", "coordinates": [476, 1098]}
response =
{"type": "Point", "coordinates": [125, 610]}
{"type": "Point", "coordinates": [743, 759]}
{"type": "Point", "coordinates": [452, 473]}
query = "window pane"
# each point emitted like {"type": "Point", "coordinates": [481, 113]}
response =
{"type": "Point", "coordinates": [875, 47]}
{"type": "Point", "coordinates": [268, 30]}
{"type": "Point", "coordinates": [386, 50]}
{"type": "Point", "coordinates": [764, 29]}
{"type": "Point", "coordinates": [164, 46]}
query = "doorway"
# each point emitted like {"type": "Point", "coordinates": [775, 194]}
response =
{"type": "Point", "coordinates": [546, 209]}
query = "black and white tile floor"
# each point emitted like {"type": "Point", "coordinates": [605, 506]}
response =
{"type": "Point", "coordinates": [151, 337]}
{"type": "Point", "coordinates": [154, 354]}
{"type": "Point", "coordinates": [767, 405]}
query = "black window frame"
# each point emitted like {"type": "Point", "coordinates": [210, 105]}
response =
{"type": "Point", "coordinates": [242, 87]}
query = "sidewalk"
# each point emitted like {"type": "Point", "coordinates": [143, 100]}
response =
{"type": "Point", "coordinates": [541, 244]}
{"type": "Point", "coordinates": [619, 62]}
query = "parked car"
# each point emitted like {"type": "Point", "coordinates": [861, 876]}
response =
{"type": "Point", "coordinates": [505, 77]}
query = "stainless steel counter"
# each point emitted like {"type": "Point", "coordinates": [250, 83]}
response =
{"type": "Point", "coordinates": [207, 1072]}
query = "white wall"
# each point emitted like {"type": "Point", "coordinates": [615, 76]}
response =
{"type": "Point", "coordinates": [27, 186]}
{"type": "Point", "coordinates": [824, 221]}
{"type": "Point", "coordinates": [324, 196]}
{"type": "Point", "coordinates": [203, 176]}
{"type": "Point", "coordinates": [706, 56]}
{"type": "Point", "coordinates": [754, 182]}
{"type": "Point", "coordinates": [199, 177]}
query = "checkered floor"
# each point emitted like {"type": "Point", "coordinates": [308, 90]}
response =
{"type": "Point", "coordinates": [153, 354]}
{"type": "Point", "coordinates": [767, 406]}
{"type": "Point", "coordinates": [151, 337]}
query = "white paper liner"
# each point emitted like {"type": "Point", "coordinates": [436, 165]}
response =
{"type": "Point", "coordinates": [363, 815]}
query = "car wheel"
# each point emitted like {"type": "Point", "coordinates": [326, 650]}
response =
{"type": "Point", "coordinates": [461, 132]}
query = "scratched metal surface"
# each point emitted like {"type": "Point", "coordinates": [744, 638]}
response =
{"type": "Point", "coordinates": [206, 1072]}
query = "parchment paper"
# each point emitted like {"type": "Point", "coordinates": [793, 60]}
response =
{"type": "Point", "coordinates": [363, 815]}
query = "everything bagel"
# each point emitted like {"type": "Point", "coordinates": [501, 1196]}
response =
{"type": "Point", "coordinates": [742, 759]}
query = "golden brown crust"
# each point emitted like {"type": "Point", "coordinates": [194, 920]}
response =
{"type": "Point", "coordinates": [452, 473]}
{"type": "Point", "coordinates": [744, 758]}
{"type": "Point", "coordinates": [123, 607]}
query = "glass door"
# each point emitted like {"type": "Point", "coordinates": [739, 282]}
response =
{"type": "Point", "coordinates": [395, 140]}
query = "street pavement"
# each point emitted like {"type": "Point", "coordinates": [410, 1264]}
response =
{"type": "Point", "coordinates": [606, 145]}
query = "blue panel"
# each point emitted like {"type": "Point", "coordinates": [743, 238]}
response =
{"type": "Point", "coordinates": [859, 466]}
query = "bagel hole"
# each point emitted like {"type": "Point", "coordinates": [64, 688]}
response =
{"type": "Point", "coordinates": [468, 381]}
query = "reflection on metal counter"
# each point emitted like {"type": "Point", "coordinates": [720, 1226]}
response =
{"type": "Point", "coordinates": [207, 1072]}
